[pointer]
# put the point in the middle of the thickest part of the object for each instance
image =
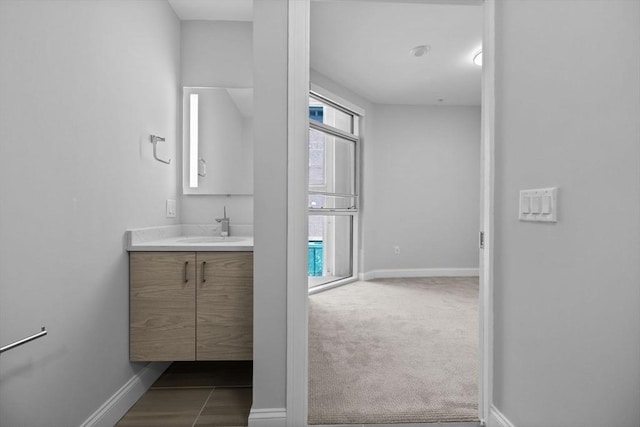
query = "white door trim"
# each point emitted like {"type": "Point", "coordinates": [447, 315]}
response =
{"type": "Point", "coordinates": [297, 223]}
{"type": "Point", "coordinates": [297, 294]}
{"type": "Point", "coordinates": [487, 168]}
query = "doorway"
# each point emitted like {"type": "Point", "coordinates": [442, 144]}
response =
{"type": "Point", "coordinates": [297, 369]}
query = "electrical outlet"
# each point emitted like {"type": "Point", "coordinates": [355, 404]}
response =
{"type": "Point", "coordinates": [396, 250]}
{"type": "Point", "coordinates": [171, 208]}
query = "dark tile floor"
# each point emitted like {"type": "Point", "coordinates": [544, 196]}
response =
{"type": "Point", "coordinates": [195, 394]}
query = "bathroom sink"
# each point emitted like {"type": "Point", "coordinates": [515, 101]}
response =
{"type": "Point", "coordinates": [211, 239]}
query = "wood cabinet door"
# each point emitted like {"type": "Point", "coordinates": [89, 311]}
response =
{"type": "Point", "coordinates": [162, 302]}
{"type": "Point", "coordinates": [224, 306]}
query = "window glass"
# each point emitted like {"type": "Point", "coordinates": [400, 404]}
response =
{"type": "Point", "coordinates": [316, 158]}
{"type": "Point", "coordinates": [330, 248]}
{"type": "Point", "coordinates": [329, 115]}
{"type": "Point", "coordinates": [331, 163]}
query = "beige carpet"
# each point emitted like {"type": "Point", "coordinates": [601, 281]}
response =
{"type": "Point", "coordinates": [394, 351]}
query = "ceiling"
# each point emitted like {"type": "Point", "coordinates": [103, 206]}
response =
{"type": "Point", "coordinates": [365, 45]}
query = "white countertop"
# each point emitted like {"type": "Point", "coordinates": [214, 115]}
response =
{"type": "Point", "coordinates": [189, 237]}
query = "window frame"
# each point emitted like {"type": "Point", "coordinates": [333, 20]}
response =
{"type": "Point", "coordinates": [329, 160]}
{"type": "Point", "coordinates": [330, 157]}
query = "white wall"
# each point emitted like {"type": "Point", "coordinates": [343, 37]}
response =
{"type": "Point", "coordinates": [419, 184]}
{"type": "Point", "coordinates": [270, 194]}
{"type": "Point", "coordinates": [83, 84]}
{"type": "Point", "coordinates": [426, 180]}
{"type": "Point", "coordinates": [567, 295]}
{"type": "Point", "coordinates": [217, 54]}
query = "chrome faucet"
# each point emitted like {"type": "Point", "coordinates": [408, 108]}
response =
{"type": "Point", "coordinates": [224, 224]}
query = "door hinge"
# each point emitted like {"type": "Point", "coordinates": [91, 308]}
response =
{"type": "Point", "coordinates": [482, 240]}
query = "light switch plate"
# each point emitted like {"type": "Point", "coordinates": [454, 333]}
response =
{"type": "Point", "coordinates": [538, 205]}
{"type": "Point", "coordinates": [171, 208]}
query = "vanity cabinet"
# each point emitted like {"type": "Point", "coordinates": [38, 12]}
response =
{"type": "Point", "coordinates": [191, 306]}
{"type": "Point", "coordinates": [224, 306]}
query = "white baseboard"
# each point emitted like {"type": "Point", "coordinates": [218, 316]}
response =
{"type": "Point", "coordinates": [269, 417]}
{"type": "Point", "coordinates": [420, 272]}
{"type": "Point", "coordinates": [496, 419]}
{"type": "Point", "coordinates": [117, 405]}
{"type": "Point", "coordinates": [472, 424]}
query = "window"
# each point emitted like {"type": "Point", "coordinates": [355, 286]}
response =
{"type": "Point", "coordinates": [333, 191]}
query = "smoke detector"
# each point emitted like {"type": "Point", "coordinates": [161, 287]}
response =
{"type": "Point", "coordinates": [420, 50]}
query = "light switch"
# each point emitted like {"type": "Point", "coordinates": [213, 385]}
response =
{"type": "Point", "coordinates": [546, 204]}
{"type": "Point", "coordinates": [538, 205]}
{"type": "Point", "coordinates": [525, 203]}
{"type": "Point", "coordinates": [535, 204]}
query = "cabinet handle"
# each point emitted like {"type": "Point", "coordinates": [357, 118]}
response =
{"type": "Point", "coordinates": [186, 267]}
{"type": "Point", "coordinates": [204, 279]}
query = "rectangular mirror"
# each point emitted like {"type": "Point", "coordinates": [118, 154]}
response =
{"type": "Point", "coordinates": [217, 136]}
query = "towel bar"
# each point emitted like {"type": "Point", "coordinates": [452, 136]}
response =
{"type": "Point", "coordinates": [42, 333]}
{"type": "Point", "coordinates": [154, 139]}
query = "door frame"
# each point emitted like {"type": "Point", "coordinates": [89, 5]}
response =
{"type": "Point", "coordinates": [297, 291]}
